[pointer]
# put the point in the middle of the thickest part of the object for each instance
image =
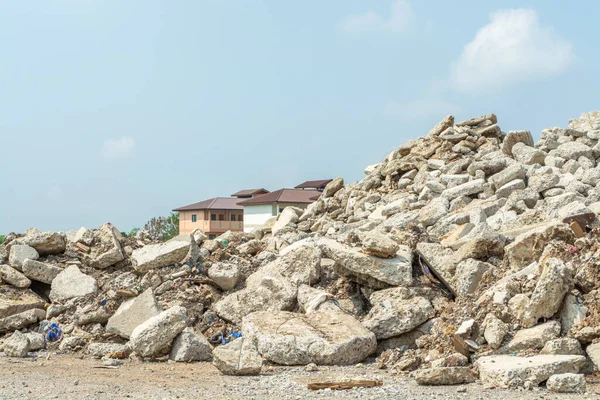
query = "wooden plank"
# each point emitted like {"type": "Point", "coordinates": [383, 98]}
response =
{"type": "Point", "coordinates": [344, 385]}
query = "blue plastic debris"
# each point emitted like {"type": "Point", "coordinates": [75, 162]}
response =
{"type": "Point", "coordinates": [54, 333]}
{"type": "Point", "coordinates": [236, 334]}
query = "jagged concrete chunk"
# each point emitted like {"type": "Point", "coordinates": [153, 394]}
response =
{"type": "Point", "coordinates": [239, 357]}
{"type": "Point", "coordinates": [534, 338]}
{"type": "Point", "coordinates": [371, 271]}
{"type": "Point", "coordinates": [528, 246]}
{"type": "Point", "coordinates": [39, 271]}
{"type": "Point", "coordinates": [495, 331]}
{"type": "Point", "coordinates": [17, 345]}
{"type": "Point", "coordinates": [14, 301]}
{"type": "Point", "coordinates": [514, 137]}
{"type": "Point", "coordinates": [563, 346]}
{"type": "Point", "coordinates": [468, 275]}
{"type": "Point", "coordinates": [160, 255]}
{"type": "Point", "coordinates": [466, 189]}
{"type": "Point", "coordinates": [156, 334]}
{"type": "Point", "coordinates": [36, 341]}
{"type": "Point", "coordinates": [566, 383]}
{"type": "Point", "coordinates": [22, 320]}
{"type": "Point", "coordinates": [514, 372]}
{"type": "Point", "coordinates": [189, 346]}
{"type": "Point", "coordinates": [14, 277]}
{"type": "Point", "coordinates": [99, 350]}
{"type": "Point", "coordinates": [106, 249]}
{"type": "Point", "coordinates": [393, 313]}
{"type": "Point", "coordinates": [225, 275]}
{"type": "Point", "coordinates": [288, 216]}
{"type": "Point", "coordinates": [333, 187]}
{"type": "Point", "coordinates": [71, 283]}
{"type": "Point", "coordinates": [379, 245]}
{"type": "Point", "coordinates": [323, 337]}
{"type": "Point", "coordinates": [554, 283]}
{"type": "Point", "coordinates": [45, 243]}
{"type": "Point", "coordinates": [132, 313]}
{"type": "Point", "coordinates": [19, 253]}
{"type": "Point", "coordinates": [444, 376]}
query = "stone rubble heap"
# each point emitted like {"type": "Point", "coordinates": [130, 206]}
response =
{"type": "Point", "coordinates": [467, 254]}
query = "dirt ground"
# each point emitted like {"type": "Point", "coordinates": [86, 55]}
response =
{"type": "Point", "coordinates": [69, 377]}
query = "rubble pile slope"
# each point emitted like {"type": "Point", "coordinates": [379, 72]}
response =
{"type": "Point", "coordinates": [458, 249]}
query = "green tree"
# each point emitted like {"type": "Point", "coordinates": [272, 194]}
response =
{"type": "Point", "coordinates": [163, 228]}
{"type": "Point", "coordinates": [131, 233]}
{"type": "Point", "coordinates": [2, 238]}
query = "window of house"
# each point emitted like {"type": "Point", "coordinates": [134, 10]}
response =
{"type": "Point", "coordinates": [240, 217]}
{"type": "Point", "coordinates": [213, 217]}
{"type": "Point", "coordinates": [221, 217]}
{"type": "Point", "coordinates": [193, 217]}
{"type": "Point", "coordinates": [233, 217]}
{"type": "Point", "coordinates": [211, 236]}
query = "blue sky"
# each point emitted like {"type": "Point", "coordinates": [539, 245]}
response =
{"type": "Point", "coordinates": [122, 110]}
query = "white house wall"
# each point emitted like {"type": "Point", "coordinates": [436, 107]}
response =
{"type": "Point", "coordinates": [255, 216]}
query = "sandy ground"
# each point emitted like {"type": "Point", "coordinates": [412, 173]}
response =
{"type": "Point", "coordinates": [69, 377]}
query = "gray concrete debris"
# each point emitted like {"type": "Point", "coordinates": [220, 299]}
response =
{"type": "Point", "coordinates": [39, 271]}
{"type": "Point", "coordinates": [323, 338]}
{"type": "Point", "coordinates": [515, 372]}
{"type": "Point", "coordinates": [566, 383]}
{"type": "Point", "coordinates": [238, 357]}
{"type": "Point", "coordinates": [225, 275]}
{"type": "Point", "coordinates": [444, 376]}
{"type": "Point", "coordinates": [70, 283]}
{"type": "Point", "coordinates": [132, 313]}
{"type": "Point", "coordinates": [394, 313]}
{"type": "Point", "coordinates": [17, 345]}
{"type": "Point", "coordinates": [155, 335]}
{"type": "Point", "coordinates": [19, 253]}
{"type": "Point", "coordinates": [189, 346]}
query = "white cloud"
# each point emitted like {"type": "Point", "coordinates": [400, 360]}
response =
{"type": "Point", "coordinates": [118, 148]}
{"type": "Point", "coordinates": [420, 109]}
{"type": "Point", "coordinates": [513, 48]}
{"type": "Point", "coordinates": [401, 20]}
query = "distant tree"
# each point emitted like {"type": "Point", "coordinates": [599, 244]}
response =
{"type": "Point", "coordinates": [163, 228]}
{"type": "Point", "coordinates": [2, 238]}
{"type": "Point", "coordinates": [131, 233]}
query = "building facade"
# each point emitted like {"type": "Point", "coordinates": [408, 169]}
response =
{"type": "Point", "coordinates": [259, 209]}
{"type": "Point", "coordinates": [217, 215]}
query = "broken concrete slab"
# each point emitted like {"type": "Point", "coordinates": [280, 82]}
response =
{"type": "Point", "coordinates": [156, 333]}
{"type": "Point", "coordinates": [371, 271]}
{"type": "Point", "coordinates": [513, 372]}
{"type": "Point", "coordinates": [19, 253]}
{"type": "Point", "coordinates": [468, 274]}
{"type": "Point", "coordinates": [22, 319]}
{"type": "Point", "coordinates": [14, 277]}
{"type": "Point", "coordinates": [528, 246]}
{"type": "Point", "coordinates": [566, 383]}
{"type": "Point", "coordinates": [189, 346]}
{"type": "Point", "coordinates": [226, 275]}
{"type": "Point", "coordinates": [70, 283]}
{"type": "Point", "coordinates": [394, 313]}
{"type": "Point", "coordinates": [323, 337]}
{"type": "Point", "coordinates": [39, 271]}
{"type": "Point", "coordinates": [568, 346]}
{"type": "Point", "coordinates": [133, 312]}
{"type": "Point", "coordinates": [238, 357]}
{"type": "Point", "coordinates": [15, 301]}
{"type": "Point", "coordinates": [45, 243]}
{"type": "Point", "coordinates": [17, 345]}
{"type": "Point", "coordinates": [534, 338]}
{"type": "Point", "coordinates": [444, 376]}
{"type": "Point", "coordinates": [99, 350]}
{"type": "Point", "coordinates": [106, 248]}
{"type": "Point", "coordinates": [379, 245]}
{"type": "Point", "coordinates": [160, 255]}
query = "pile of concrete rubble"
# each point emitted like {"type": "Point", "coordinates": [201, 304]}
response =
{"type": "Point", "coordinates": [467, 254]}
